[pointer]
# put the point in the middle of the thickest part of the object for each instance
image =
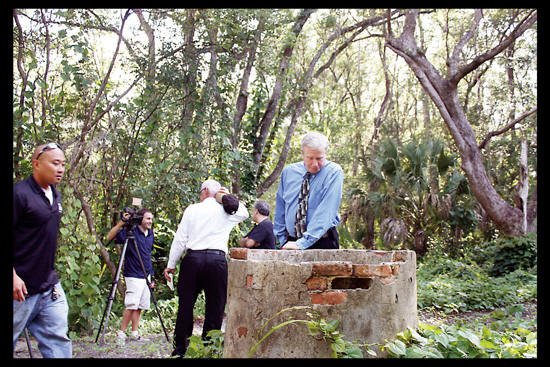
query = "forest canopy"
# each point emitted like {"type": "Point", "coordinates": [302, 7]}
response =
{"type": "Point", "coordinates": [431, 113]}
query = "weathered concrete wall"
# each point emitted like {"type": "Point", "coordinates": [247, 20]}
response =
{"type": "Point", "coordinates": [371, 293]}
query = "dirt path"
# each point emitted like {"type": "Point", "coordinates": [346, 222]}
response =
{"type": "Point", "coordinates": [472, 316]}
{"type": "Point", "coordinates": [157, 347]}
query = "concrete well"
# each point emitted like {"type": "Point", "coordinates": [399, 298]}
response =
{"type": "Point", "coordinates": [371, 293]}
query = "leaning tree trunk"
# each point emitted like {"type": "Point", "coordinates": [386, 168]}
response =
{"type": "Point", "coordinates": [444, 93]}
{"type": "Point", "coordinates": [271, 109]}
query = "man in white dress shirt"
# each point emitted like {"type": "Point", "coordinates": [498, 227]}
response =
{"type": "Point", "coordinates": [203, 233]}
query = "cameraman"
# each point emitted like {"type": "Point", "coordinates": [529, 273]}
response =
{"type": "Point", "coordinates": [137, 295]}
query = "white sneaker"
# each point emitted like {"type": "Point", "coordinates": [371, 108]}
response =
{"type": "Point", "coordinates": [135, 336]}
{"type": "Point", "coordinates": [121, 337]}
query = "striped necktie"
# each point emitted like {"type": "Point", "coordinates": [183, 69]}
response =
{"type": "Point", "coordinates": [301, 213]}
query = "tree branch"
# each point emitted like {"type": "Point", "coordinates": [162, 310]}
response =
{"type": "Point", "coordinates": [106, 79]}
{"type": "Point", "coordinates": [453, 61]}
{"type": "Point", "coordinates": [90, 222]}
{"type": "Point", "coordinates": [505, 128]}
{"type": "Point", "coordinates": [518, 31]}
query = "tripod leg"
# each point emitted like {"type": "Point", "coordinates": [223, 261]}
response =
{"type": "Point", "coordinates": [158, 312]}
{"type": "Point", "coordinates": [151, 291]}
{"type": "Point", "coordinates": [107, 311]}
{"type": "Point", "coordinates": [28, 342]}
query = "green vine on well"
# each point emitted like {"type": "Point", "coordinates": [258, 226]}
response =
{"type": "Point", "coordinates": [318, 328]}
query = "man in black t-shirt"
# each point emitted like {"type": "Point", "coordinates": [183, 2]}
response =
{"type": "Point", "coordinates": [261, 236]}
{"type": "Point", "coordinates": [39, 302]}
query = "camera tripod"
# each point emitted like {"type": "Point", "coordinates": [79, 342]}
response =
{"type": "Point", "coordinates": [106, 313]}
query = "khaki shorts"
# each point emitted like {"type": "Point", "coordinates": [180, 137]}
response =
{"type": "Point", "coordinates": [137, 294]}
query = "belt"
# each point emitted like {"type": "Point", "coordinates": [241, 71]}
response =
{"type": "Point", "coordinates": [207, 251]}
{"type": "Point", "coordinates": [290, 238]}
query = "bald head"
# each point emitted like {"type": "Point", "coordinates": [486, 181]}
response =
{"type": "Point", "coordinates": [48, 164]}
{"type": "Point", "coordinates": [43, 148]}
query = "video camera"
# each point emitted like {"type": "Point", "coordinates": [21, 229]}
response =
{"type": "Point", "coordinates": [134, 219]}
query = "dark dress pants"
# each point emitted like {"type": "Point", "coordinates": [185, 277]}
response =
{"type": "Point", "coordinates": [329, 241]}
{"type": "Point", "coordinates": [200, 270]}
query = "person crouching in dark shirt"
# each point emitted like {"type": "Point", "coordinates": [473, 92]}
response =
{"type": "Point", "coordinates": [261, 235]}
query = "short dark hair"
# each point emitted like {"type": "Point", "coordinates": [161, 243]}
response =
{"type": "Point", "coordinates": [262, 207]}
{"type": "Point", "coordinates": [142, 212]}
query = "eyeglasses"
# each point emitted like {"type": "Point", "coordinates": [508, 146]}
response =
{"type": "Point", "coordinates": [48, 147]}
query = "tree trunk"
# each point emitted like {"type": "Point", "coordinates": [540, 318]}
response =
{"type": "Point", "coordinates": [242, 99]}
{"type": "Point", "coordinates": [271, 108]}
{"type": "Point", "coordinates": [102, 249]}
{"type": "Point", "coordinates": [151, 64]}
{"type": "Point", "coordinates": [190, 94]}
{"type": "Point", "coordinates": [18, 151]}
{"type": "Point", "coordinates": [444, 94]}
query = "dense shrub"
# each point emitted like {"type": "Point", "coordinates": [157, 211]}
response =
{"type": "Point", "coordinates": [450, 285]}
{"type": "Point", "coordinates": [514, 253]}
{"type": "Point", "coordinates": [459, 341]}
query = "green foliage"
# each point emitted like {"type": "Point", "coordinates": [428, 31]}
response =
{"type": "Point", "coordinates": [168, 308]}
{"type": "Point", "coordinates": [78, 267]}
{"type": "Point", "coordinates": [419, 194]}
{"type": "Point", "coordinates": [449, 285]}
{"type": "Point", "coordinates": [318, 328]}
{"type": "Point", "coordinates": [327, 330]}
{"type": "Point", "coordinates": [170, 132]}
{"type": "Point", "coordinates": [459, 341]}
{"type": "Point", "coordinates": [210, 347]}
{"type": "Point", "coordinates": [514, 253]}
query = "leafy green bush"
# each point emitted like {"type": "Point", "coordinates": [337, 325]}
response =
{"type": "Point", "coordinates": [78, 266]}
{"type": "Point", "coordinates": [211, 347]}
{"type": "Point", "coordinates": [450, 285]}
{"type": "Point", "coordinates": [514, 253]}
{"type": "Point", "coordinates": [458, 341]}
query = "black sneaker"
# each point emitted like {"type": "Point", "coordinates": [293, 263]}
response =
{"type": "Point", "coordinates": [176, 354]}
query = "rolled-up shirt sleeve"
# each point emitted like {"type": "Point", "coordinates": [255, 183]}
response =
{"type": "Point", "coordinates": [240, 215]}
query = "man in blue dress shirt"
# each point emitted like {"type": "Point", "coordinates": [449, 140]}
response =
{"type": "Point", "coordinates": [325, 194]}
